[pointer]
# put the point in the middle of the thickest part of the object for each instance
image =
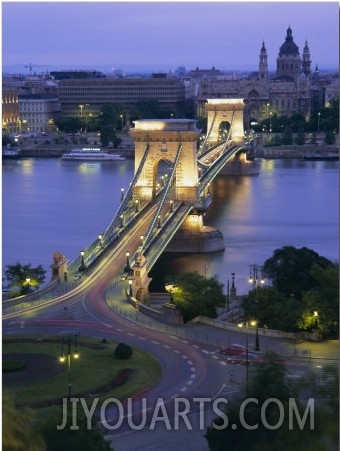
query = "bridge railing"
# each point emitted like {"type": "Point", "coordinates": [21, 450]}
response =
{"type": "Point", "coordinates": [164, 236]}
{"type": "Point", "coordinates": [163, 198]}
{"type": "Point", "coordinates": [204, 145]}
{"type": "Point", "coordinates": [127, 197]}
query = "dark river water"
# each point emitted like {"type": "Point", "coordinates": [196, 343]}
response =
{"type": "Point", "coordinates": [50, 204]}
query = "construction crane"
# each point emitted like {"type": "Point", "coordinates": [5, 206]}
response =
{"type": "Point", "coordinates": [30, 67]}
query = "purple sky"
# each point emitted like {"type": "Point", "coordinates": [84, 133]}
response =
{"type": "Point", "coordinates": [163, 36]}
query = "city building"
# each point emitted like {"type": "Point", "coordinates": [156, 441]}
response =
{"type": "Point", "coordinates": [96, 92]}
{"type": "Point", "coordinates": [292, 89]}
{"type": "Point", "coordinates": [14, 89]}
{"type": "Point", "coordinates": [38, 112]}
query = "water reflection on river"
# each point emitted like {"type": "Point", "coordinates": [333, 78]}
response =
{"type": "Point", "coordinates": [49, 205]}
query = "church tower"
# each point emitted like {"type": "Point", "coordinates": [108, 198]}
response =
{"type": "Point", "coordinates": [288, 66]}
{"type": "Point", "coordinates": [306, 61]}
{"type": "Point", "coordinates": [263, 65]}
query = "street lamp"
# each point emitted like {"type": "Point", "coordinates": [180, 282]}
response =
{"type": "Point", "coordinates": [319, 114]}
{"type": "Point", "coordinates": [122, 194]}
{"type": "Point", "coordinates": [28, 281]}
{"type": "Point", "coordinates": [82, 266]}
{"type": "Point", "coordinates": [100, 238]}
{"type": "Point", "coordinates": [127, 267]}
{"type": "Point", "coordinates": [122, 118]}
{"type": "Point", "coordinates": [81, 111]}
{"type": "Point", "coordinates": [71, 340]}
{"type": "Point", "coordinates": [130, 289]}
{"type": "Point", "coordinates": [253, 279]}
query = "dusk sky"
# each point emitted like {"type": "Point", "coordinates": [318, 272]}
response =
{"type": "Point", "coordinates": [163, 35]}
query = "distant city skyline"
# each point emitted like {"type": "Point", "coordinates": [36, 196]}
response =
{"type": "Point", "coordinates": [161, 36]}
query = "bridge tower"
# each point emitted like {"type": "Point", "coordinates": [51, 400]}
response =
{"type": "Point", "coordinates": [223, 114]}
{"type": "Point", "coordinates": [164, 137]}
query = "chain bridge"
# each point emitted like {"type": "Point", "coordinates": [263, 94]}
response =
{"type": "Point", "coordinates": [170, 191]}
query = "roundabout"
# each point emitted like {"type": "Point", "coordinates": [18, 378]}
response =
{"type": "Point", "coordinates": [39, 379]}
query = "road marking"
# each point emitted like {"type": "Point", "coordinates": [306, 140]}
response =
{"type": "Point", "coordinates": [177, 351]}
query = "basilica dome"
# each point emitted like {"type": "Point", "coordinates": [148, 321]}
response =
{"type": "Point", "coordinates": [289, 48]}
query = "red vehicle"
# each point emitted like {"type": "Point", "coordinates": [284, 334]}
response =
{"type": "Point", "coordinates": [235, 349]}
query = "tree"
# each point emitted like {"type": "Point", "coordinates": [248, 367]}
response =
{"type": "Point", "coordinates": [271, 309]}
{"type": "Point", "coordinates": [17, 426]}
{"type": "Point", "coordinates": [23, 278]}
{"type": "Point", "coordinates": [69, 124]}
{"type": "Point", "coordinates": [108, 118]}
{"type": "Point", "coordinates": [287, 136]}
{"type": "Point", "coordinates": [197, 295]}
{"type": "Point", "coordinates": [300, 139]}
{"type": "Point", "coordinates": [67, 439]}
{"type": "Point", "coordinates": [289, 270]}
{"type": "Point", "coordinates": [269, 388]}
{"type": "Point", "coordinates": [320, 305]}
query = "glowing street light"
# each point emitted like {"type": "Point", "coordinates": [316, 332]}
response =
{"type": "Point", "coordinates": [28, 281]}
{"type": "Point", "coordinates": [82, 266]}
{"type": "Point", "coordinates": [254, 279]}
{"type": "Point", "coordinates": [130, 288]}
{"type": "Point", "coordinates": [127, 267]}
{"type": "Point", "coordinates": [71, 340]}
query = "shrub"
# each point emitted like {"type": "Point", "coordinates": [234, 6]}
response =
{"type": "Point", "coordinates": [123, 351]}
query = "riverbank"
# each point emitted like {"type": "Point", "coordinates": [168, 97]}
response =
{"type": "Point", "coordinates": [294, 151]}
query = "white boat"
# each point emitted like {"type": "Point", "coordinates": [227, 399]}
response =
{"type": "Point", "coordinates": [10, 154]}
{"type": "Point", "coordinates": [90, 154]}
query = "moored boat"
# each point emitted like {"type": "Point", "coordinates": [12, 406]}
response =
{"type": "Point", "coordinates": [11, 154]}
{"type": "Point", "coordinates": [90, 154]}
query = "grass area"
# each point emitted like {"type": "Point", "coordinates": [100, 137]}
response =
{"type": "Point", "coordinates": [8, 366]}
{"type": "Point", "coordinates": [91, 374]}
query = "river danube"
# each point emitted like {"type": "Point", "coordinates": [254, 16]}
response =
{"type": "Point", "coordinates": [50, 204]}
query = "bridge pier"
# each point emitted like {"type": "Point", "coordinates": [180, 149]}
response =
{"type": "Point", "coordinates": [239, 165]}
{"type": "Point", "coordinates": [193, 236]}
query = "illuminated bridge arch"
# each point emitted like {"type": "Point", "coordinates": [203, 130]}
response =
{"type": "Point", "coordinates": [165, 138]}
{"type": "Point", "coordinates": [220, 113]}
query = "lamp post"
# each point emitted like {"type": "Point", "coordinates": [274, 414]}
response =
{"type": "Point", "coordinates": [121, 194]}
{"type": "Point", "coordinates": [253, 279]}
{"type": "Point", "coordinates": [127, 267]}
{"type": "Point", "coordinates": [122, 118]}
{"type": "Point", "coordinates": [82, 266]}
{"type": "Point", "coordinates": [319, 114]}
{"type": "Point", "coordinates": [130, 289]}
{"type": "Point", "coordinates": [28, 281]}
{"type": "Point", "coordinates": [71, 340]}
{"type": "Point", "coordinates": [100, 240]}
